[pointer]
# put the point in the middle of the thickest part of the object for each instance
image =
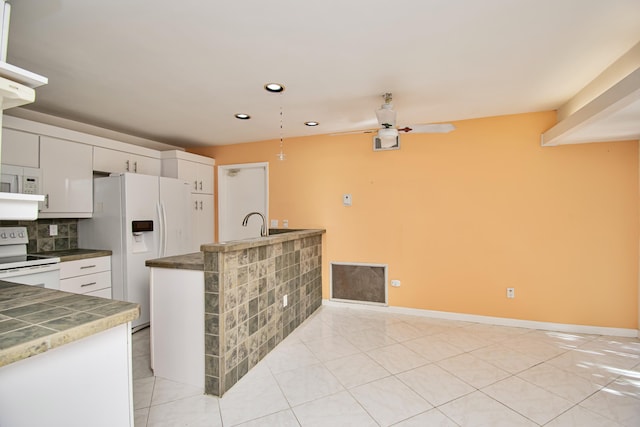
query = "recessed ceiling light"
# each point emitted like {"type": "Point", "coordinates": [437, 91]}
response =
{"type": "Point", "coordinates": [311, 123]}
{"type": "Point", "coordinates": [242, 116]}
{"type": "Point", "coordinates": [274, 87]}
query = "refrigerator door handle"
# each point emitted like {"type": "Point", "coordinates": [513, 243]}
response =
{"type": "Point", "coordinates": [164, 229]}
{"type": "Point", "coordinates": [160, 209]}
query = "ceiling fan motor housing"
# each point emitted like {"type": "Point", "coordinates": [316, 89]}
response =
{"type": "Point", "coordinates": [386, 116]}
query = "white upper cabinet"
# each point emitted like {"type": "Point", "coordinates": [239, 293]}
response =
{"type": "Point", "coordinates": [67, 178]}
{"type": "Point", "coordinates": [20, 148]}
{"type": "Point", "coordinates": [114, 161]}
{"type": "Point", "coordinates": [202, 220]}
{"type": "Point", "coordinates": [196, 170]}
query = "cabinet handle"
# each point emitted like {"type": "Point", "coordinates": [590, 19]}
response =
{"type": "Point", "coordinates": [200, 204]}
{"type": "Point", "coordinates": [135, 167]}
{"type": "Point", "coordinates": [201, 185]}
{"type": "Point", "coordinates": [127, 165]}
{"type": "Point", "coordinates": [46, 201]}
{"type": "Point", "coordinates": [196, 207]}
{"type": "Point", "coordinates": [87, 266]}
{"type": "Point", "coordinates": [88, 284]}
{"type": "Point", "coordinates": [195, 184]}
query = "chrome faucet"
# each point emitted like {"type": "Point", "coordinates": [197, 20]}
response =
{"type": "Point", "coordinates": [263, 229]}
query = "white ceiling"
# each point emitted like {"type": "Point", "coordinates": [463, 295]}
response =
{"type": "Point", "coordinates": [177, 71]}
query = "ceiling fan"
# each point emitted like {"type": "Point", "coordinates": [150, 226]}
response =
{"type": "Point", "coordinates": [387, 134]}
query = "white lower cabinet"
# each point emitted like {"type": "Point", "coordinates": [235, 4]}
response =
{"type": "Point", "coordinates": [102, 293]}
{"type": "Point", "coordinates": [177, 325]}
{"type": "Point", "coordinates": [84, 383]}
{"type": "Point", "coordinates": [90, 276]}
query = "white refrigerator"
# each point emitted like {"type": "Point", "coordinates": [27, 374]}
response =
{"type": "Point", "coordinates": [138, 217]}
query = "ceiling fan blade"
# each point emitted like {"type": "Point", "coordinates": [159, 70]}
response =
{"type": "Point", "coordinates": [428, 128]}
{"type": "Point", "coordinates": [354, 132]}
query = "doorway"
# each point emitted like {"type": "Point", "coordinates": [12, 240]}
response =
{"type": "Point", "coordinates": [242, 188]}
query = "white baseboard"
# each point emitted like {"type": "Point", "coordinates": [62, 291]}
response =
{"type": "Point", "coordinates": [501, 321]}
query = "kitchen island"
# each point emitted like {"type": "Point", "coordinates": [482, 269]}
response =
{"type": "Point", "coordinates": [255, 293]}
{"type": "Point", "coordinates": [65, 359]}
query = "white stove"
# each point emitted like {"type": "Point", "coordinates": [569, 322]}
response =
{"type": "Point", "coordinates": [17, 266]}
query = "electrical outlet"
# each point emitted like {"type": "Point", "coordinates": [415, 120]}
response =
{"type": "Point", "coordinates": [284, 301]}
{"type": "Point", "coordinates": [274, 223]}
{"type": "Point", "coordinates": [285, 223]}
{"type": "Point", "coordinates": [395, 283]}
{"type": "Point", "coordinates": [53, 230]}
{"type": "Point", "coordinates": [511, 292]}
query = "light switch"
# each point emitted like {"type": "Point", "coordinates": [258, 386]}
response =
{"type": "Point", "coordinates": [274, 223]}
{"type": "Point", "coordinates": [346, 199]}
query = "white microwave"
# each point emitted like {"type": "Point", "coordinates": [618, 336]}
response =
{"type": "Point", "coordinates": [18, 179]}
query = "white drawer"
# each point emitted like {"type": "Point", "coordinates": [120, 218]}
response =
{"type": "Point", "coordinates": [102, 293]}
{"type": "Point", "coordinates": [87, 283]}
{"type": "Point", "coordinates": [84, 266]}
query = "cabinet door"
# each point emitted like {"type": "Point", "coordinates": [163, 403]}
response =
{"type": "Point", "coordinates": [146, 165]}
{"type": "Point", "coordinates": [205, 178]}
{"type": "Point", "coordinates": [198, 175]}
{"type": "Point", "coordinates": [188, 171]}
{"type": "Point", "coordinates": [115, 161]}
{"type": "Point", "coordinates": [202, 220]}
{"type": "Point", "coordinates": [66, 178]}
{"type": "Point", "coordinates": [20, 148]}
{"type": "Point", "coordinates": [110, 161]}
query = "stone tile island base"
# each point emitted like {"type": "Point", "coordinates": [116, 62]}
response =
{"type": "Point", "coordinates": [245, 285]}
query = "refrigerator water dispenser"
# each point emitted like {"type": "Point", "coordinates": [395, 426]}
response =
{"type": "Point", "coordinates": [140, 230]}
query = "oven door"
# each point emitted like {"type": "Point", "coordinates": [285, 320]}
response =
{"type": "Point", "coordinates": [44, 276]}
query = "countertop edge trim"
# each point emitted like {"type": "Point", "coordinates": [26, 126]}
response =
{"type": "Point", "coordinates": [41, 345]}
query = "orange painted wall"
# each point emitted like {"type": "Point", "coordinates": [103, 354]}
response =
{"type": "Point", "coordinates": [460, 217]}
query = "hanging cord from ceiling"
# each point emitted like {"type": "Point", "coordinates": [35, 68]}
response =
{"type": "Point", "coordinates": [281, 155]}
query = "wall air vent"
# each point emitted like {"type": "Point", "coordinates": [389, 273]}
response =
{"type": "Point", "coordinates": [360, 283]}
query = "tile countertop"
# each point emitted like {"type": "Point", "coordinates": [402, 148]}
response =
{"type": "Point", "coordinates": [76, 254]}
{"type": "Point", "coordinates": [194, 261]}
{"type": "Point", "coordinates": [275, 236]}
{"type": "Point", "coordinates": [34, 320]}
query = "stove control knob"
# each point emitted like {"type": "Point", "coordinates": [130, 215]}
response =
{"type": "Point", "coordinates": [3, 235]}
{"type": "Point", "coordinates": [12, 235]}
{"type": "Point", "coordinates": [21, 234]}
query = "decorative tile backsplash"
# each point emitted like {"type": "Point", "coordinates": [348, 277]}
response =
{"type": "Point", "coordinates": [245, 317]}
{"type": "Point", "coordinates": [38, 232]}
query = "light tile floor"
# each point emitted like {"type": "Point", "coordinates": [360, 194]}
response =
{"type": "Point", "coordinates": [356, 367]}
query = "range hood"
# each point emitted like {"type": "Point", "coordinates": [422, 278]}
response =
{"type": "Point", "coordinates": [15, 94]}
{"type": "Point", "coordinates": [19, 206]}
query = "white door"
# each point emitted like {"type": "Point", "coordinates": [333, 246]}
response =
{"type": "Point", "coordinates": [242, 189]}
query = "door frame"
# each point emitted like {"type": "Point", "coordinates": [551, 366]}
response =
{"type": "Point", "coordinates": [223, 191]}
